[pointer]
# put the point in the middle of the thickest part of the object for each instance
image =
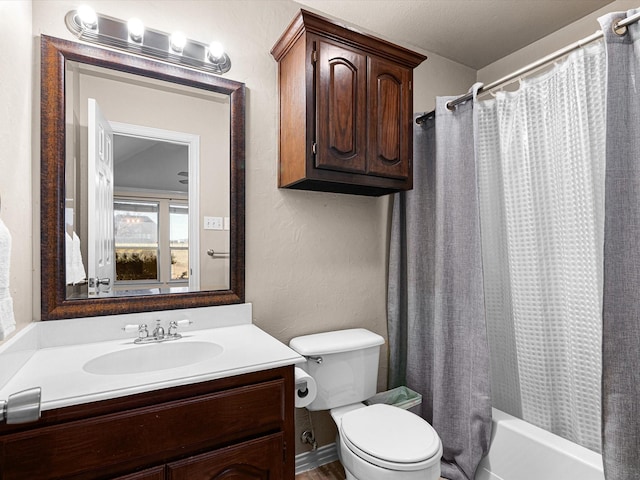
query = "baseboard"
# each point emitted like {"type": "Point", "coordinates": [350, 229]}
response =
{"type": "Point", "coordinates": [313, 459]}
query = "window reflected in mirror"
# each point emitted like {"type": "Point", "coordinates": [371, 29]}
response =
{"type": "Point", "coordinates": [151, 244]}
{"type": "Point", "coordinates": [136, 241]}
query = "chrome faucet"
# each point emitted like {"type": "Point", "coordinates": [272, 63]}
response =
{"type": "Point", "coordinates": [158, 334]}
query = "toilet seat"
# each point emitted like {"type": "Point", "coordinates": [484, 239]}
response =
{"type": "Point", "coordinates": [391, 438]}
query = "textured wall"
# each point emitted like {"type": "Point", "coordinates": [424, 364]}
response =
{"type": "Point", "coordinates": [15, 148]}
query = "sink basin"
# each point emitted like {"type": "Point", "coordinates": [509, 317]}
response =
{"type": "Point", "coordinates": [152, 357]}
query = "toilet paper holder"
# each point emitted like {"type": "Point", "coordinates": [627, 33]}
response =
{"type": "Point", "coordinates": [305, 388]}
{"type": "Point", "coordinates": [301, 385]}
{"type": "Point", "coordinates": [301, 389]}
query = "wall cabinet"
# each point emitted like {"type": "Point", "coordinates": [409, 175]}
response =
{"type": "Point", "coordinates": [237, 427]}
{"type": "Point", "coordinates": [346, 109]}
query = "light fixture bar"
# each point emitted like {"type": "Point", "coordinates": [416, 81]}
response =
{"type": "Point", "coordinates": [115, 33]}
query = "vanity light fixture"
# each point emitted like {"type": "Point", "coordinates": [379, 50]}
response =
{"type": "Point", "coordinates": [133, 36]}
{"type": "Point", "coordinates": [215, 51]}
{"type": "Point", "coordinates": [136, 30]}
{"type": "Point", "coordinates": [177, 42]}
{"type": "Point", "coordinates": [87, 17]}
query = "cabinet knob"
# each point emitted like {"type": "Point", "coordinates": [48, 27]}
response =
{"type": "Point", "coordinates": [21, 407]}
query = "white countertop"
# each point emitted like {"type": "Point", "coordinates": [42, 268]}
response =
{"type": "Point", "coordinates": [58, 369]}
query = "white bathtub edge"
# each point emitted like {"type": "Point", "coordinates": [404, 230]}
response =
{"type": "Point", "coordinates": [562, 458]}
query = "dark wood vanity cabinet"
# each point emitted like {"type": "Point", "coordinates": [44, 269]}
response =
{"type": "Point", "coordinates": [238, 427]}
{"type": "Point", "coordinates": [346, 106]}
{"type": "Point", "coordinates": [256, 460]}
{"type": "Point", "coordinates": [155, 473]}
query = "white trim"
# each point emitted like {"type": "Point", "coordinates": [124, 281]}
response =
{"type": "Point", "coordinates": [314, 459]}
{"type": "Point", "coordinates": [193, 142]}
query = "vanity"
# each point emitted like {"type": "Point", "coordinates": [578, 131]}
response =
{"type": "Point", "coordinates": [228, 413]}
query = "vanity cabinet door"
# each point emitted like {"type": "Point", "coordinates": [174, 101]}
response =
{"type": "Point", "coordinates": [155, 473]}
{"type": "Point", "coordinates": [260, 459]}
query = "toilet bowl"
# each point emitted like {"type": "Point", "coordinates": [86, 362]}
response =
{"type": "Point", "coordinates": [383, 442]}
{"type": "Point", "coordinates": [377, 442]}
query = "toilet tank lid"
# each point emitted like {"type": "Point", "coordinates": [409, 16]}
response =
{"type": "Point", "coordinates": [335, 342]}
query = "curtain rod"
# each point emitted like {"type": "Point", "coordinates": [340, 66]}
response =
{"type": "Point", "coordinates": [620, 28]}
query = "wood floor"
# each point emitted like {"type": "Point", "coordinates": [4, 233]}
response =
{"type": "Point", "coordinates": [330, 471]}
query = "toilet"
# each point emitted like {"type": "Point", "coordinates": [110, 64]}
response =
{"type": "Point", "coordinates": [376, 442]}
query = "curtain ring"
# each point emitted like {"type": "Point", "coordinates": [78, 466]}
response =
{"type": "Point", "coordinates": [619, 30]}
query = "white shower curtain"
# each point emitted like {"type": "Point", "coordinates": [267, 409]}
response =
{"type": "Point", "coordinates": [540, 156]}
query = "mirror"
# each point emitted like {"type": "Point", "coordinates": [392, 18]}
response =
{"type": "Point", "coordinates": [139, 152]}
{"type": "Point", "coordinates": [142, 184]}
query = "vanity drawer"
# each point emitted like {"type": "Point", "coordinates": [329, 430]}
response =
{"type": "Point", "coordinates": [107, 445]}
{"type": "Point", "coordinates": [257, 459]}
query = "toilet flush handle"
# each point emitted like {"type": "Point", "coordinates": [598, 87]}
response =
{"type": "Point", "coordinates": [318, 360]}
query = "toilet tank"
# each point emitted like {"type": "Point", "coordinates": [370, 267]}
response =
{"type": "Point", "coordinates": [343, 363]}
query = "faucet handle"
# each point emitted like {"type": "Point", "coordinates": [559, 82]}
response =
{"type": "Point", "coordinates": [141, 329]}
{"type": "Point", "coordinates": [174, 324]}
{"type": "Point", "coordinates": [130, 328]}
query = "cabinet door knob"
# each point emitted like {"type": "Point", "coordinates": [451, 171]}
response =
{"type": "Point", "coordinates": [21, 407]}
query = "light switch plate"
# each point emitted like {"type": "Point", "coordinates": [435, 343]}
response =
{"type": "Point", "coordinates": [213, 223]}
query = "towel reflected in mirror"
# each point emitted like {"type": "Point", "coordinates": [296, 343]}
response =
{"type": "Point", "coordinates": [76, 272]}
{"type": "Point", "coordinates": [7, 319]}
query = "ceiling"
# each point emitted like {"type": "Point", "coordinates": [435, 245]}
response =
{"type": "Point", "coordinates": [149, 164]}
{"type": "Point", "coordinates": [474, 33]}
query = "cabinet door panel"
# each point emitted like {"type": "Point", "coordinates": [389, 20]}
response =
{"type": "Point", "coordinates": [390, 119]}
{"type": "Point", "coordinates": [341, 108]}
{"type": "Point", "coordinates": [260, 459]}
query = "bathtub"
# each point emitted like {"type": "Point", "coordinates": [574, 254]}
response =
{"type": "Point", "coordinates": [521, 451]}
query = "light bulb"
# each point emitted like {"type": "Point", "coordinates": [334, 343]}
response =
{"type": "Point", "coordinates": [136, 29]}
{"type": "Point", "coordinates": [216, 51]}
{"type": "Point", "coordinates": [87, 16]}
{"type": "Point", "coordinates": [177, 41]}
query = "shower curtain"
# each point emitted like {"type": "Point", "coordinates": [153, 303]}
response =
{"type": "Point", "coordinates": [437, 334]}
{"type": "Point", "coordinates": [540, 154]}
{"type": "Point", "coordinates": [560, 262]}
{"type": "Point", "coordinates": [621, 311]}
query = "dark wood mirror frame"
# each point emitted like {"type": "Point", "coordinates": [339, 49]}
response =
{"type": "Point", "coordinates": [54, 304]}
